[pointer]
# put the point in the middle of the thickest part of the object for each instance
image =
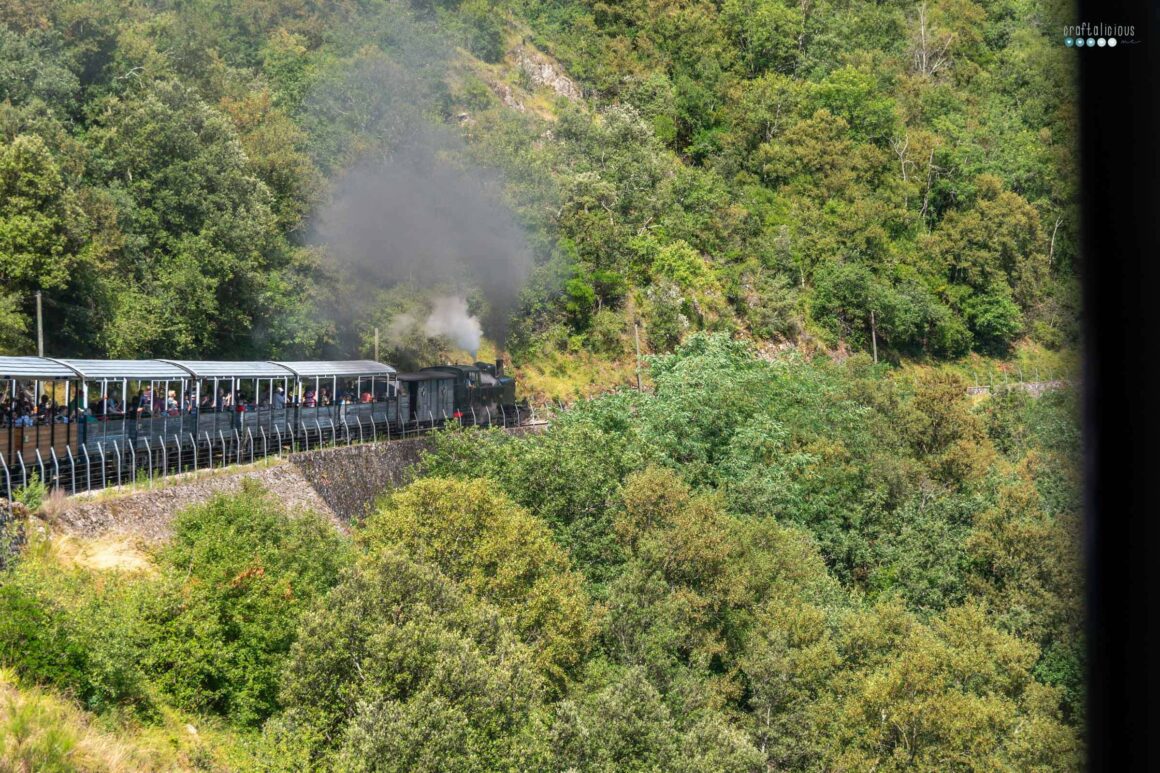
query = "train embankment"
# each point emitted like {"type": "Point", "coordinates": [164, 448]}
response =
{"type": "Point", "coordinates": [350, 478]}
{"type": "Point", "coordinates": [146, 513]}
{"type": "Point", "coordinates": [340, 483]}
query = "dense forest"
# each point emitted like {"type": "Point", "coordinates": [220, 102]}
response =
{"type": "Point", "coordinates": [803, 546]}
{"type": "Point", "coordinates": [177, 177]}
{"type": "Point", "coordinates": [759, 565]}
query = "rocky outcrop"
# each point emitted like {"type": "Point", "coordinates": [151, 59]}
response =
{"type": "Point", "coordinates": [544, 72]}
{"type": "Point", "coordinates": [507, 96]}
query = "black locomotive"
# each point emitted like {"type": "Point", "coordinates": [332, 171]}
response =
{"type": "Point", "coordinates": [478, 391]}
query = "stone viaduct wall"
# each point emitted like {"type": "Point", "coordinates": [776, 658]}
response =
{"type": "Point", "coordinates": [340, 483]}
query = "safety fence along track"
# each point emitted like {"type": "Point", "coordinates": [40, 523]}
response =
{"type": "Point", "coordinates": [94, 455]}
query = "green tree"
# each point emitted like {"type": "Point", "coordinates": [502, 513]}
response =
{"type": "Point", "coordinates": [497, 551]}
{"type": "Point", "coordinates": [623, 726]}
{"type": "Point", "coordinates": [13, 326]}
{"type": "Point", "coordinates": [943, 431]}
{"type": "Point", "coordinates": [399, 669]}
{"type": "Point", "coordinates": [854, 96]}
{"type": "Point", "coordinates": [242, 572]}
{"type": "Point", "coordinates": [203, 242]}
{"type": "Point", "coordinates": [955, 695]}
{"type": "Point", "coordinates": [34, 214]}
{"type": "Point", "coordinates": [1026, 563]}
{"type": "Point", "coordinates": [765, 31]}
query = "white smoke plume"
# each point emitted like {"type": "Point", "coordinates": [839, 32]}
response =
{"type": "Point", "coordinates": [449, 317]}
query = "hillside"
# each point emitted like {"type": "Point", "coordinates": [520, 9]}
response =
{"type": "Point", "coordinates": [805, 545]}
{"type": "Point", "coordinates": [791, 565]}
{"type": "Point", "coordinates": [277, 179]}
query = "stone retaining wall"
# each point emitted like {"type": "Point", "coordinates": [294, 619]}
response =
{"type": "Point", "coordinates": [340, 483]}
{"type": "Point", "coordinates": [1034, 388]}
{"type": "Point", "coordinates": [350, 478]}
{"type": "Point", "coordinates": [148, 513]}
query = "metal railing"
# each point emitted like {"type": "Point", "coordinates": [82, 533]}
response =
{"type": "Point", "coordinates": [117, 457]}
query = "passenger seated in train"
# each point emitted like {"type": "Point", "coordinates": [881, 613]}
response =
{"type": "Point", "coordinates": [145, 401]}
{"type": "Point", "coordinates": [279, 398]}
{"type": "Point", "coordinates": [106, 406]}
{"type": "Point", "coordinates": [23, 416]}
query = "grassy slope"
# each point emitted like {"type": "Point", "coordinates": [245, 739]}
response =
{"type": "Point", "coordinates": [45, 730]}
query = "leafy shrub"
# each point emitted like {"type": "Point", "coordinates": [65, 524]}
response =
{"type": "Point", "coordinates": [606, 334]}
{"type": "Point", "coordinates": [496, 550]}
{"type": "Point", "coordinates": [65, 628]}
{"type": "Point", "coordinates": [398, 669]}
{"type": "Point", "coordinates": [240, 573]}
{"type": "Point", "coordinates": [36, 641]}
{"type": "Point", "coordinates": [32, 496]}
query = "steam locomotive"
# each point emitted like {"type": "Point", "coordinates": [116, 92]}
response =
{"type": "Point", "coordinates": [79, 424]}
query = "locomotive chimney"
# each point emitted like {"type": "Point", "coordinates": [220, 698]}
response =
{"type": "Point", "coordinates": [498, 367]}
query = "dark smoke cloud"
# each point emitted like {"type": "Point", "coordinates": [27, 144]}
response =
{"type": "Point", "coordinates": [416, 219]}
{"type": "Point", "coordinates": [405, 207]}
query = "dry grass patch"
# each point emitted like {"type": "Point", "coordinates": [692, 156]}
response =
{"type": "Point", "coordinates": [113, 553]}
{"type": "Point", "coordinates": [43, 732]}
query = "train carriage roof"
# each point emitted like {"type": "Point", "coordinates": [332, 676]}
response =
{"type": "Point", "coordinates": [50, 369]}
{"type": "Point", "coordinates": [233, 369]}
{"type": "Point", "coordinates": [343, 368]}
{"type": "Point", "coordinates": [39, 368]}
{"type": "Point", "coordinates": [133, 370]}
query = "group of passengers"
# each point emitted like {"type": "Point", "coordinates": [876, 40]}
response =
{"type": "Point", "coordinates": [22, 410]}
{"type": "Point", "coordinates": [18, 410]}
{"type": "Point", "coordinates": [345, 397]}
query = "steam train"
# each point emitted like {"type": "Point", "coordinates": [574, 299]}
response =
{"type": "Point", "coordinates": [79, 424]}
